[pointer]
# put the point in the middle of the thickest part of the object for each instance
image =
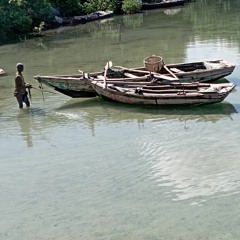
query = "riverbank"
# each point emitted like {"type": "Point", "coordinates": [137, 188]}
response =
{"type": "Point", "coordinates": [50, 20]}
{"type": "Point", "coordinates": [95, 170]}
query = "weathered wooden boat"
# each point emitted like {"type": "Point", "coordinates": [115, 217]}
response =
{"type": "Point", "coordinates": [71, 21]}
{"type": "Point", "coordinates": [162, 4]}
{"type": "Point", "coordinates": [203, 71]}
{"type": "Point", "coordinates": [75, 20]}
{"type": "Point", "coordinates": [98, 15]}
{"type": "Point", "coordinates": [77, 86]}
{"type": "Point", "coordinates": [2, 72]}
{"type": "Point", "coordinates": [166, 94]}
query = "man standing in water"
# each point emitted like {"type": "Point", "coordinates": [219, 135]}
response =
{"type": "Point", "coordinates": [20, 87]}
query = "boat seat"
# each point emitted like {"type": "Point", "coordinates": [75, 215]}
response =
{"type": "Point", "coordinates": [130, 75]}
{"type": "Point", "coordinates": [100, 77]}
{"type": "Point", "coordinates": [164, 77]}
{"type": "Point", "coordinates": [176, 70]}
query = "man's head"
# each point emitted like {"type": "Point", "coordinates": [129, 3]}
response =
{"type": "Point", "coordinates": [20, 67]}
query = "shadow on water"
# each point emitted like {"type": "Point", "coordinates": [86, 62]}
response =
{"type": "Point", "coordinates": [100, 109]}
{"type": "Point", "coordinates": [237, 107]}
{"type": "Point", "coordinates": [26, 123]}
{"type": "Point", "coordinates": [36, 121]}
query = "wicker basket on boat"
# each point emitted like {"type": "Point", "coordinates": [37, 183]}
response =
{"type": "Point", "coordinates": [153, 63]}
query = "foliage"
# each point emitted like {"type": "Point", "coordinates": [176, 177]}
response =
{"type": "Point", "coordinates": [38, 30]}
{"type": "Point", "coordinates": [38, 9]}
{"type": "Point", "coordinates": [131, 6]}
{"type": "Point", "coordinates": [24, 16]}
{"type": "Point", "coordinates": [68, 7]}
{"type": "Point", "coordinates": [94, 5]}
{"type": "Point", "coordinates": [21, 16]}
{"type": "Point", "coordinates": [13, 19]}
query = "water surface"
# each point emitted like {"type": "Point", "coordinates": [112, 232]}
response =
{"type": "Point", "coordinates": [89, 169]}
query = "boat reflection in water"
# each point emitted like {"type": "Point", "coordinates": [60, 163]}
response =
{"type": "Point", "coordinates": [26, 123]}
{"type": "Point", "coordinates": [172, 11]}
{"type": "Point", "coordinates": [190, 172]}
{"type": "Point", "coordinates": [96, 110]}
{"type": "Point", "coordinates": [178, 159]}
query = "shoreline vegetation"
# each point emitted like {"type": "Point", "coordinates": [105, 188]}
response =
{"type": "Point", "coordinates": [26, 18]}
{"type": "Point", "coordinates": [30, 18]}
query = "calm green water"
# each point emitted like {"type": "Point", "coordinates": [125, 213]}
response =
{"type": "Point", "coordinates": [85, 169]}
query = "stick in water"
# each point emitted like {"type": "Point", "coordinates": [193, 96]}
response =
{"type": "Point", "coordinates": [42, 90]}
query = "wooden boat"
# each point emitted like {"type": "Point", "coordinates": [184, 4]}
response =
{"type": "Point", "coordinates": [2, 72]}
{"type": "Point", "coordinates": [76, 86]}
{"type": "Point", "coordinates": [71, 21]}
{"type": "Point", "coordinates": [203, 71]}
{"type": "Point", "coordinates": [98, 15]}
{"type": "Point", "coordinates": [162, 4]}
{"type": "Point", "coordinates": [166, 94]}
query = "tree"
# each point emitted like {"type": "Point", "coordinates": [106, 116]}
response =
{"type": "Point", "coordinates": [131, 6]}
{"type": "Point", "coordinates": [95, 5]}
{"type": "Point", "coordinates": [68, 7]}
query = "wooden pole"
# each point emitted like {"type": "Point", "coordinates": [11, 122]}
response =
{"type": "Point", "coordinates": [42, 90]}
{"type": "Point", "coordinates": [170, 71]}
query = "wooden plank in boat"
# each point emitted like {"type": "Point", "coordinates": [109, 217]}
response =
{"type": "Point", "coordinates": [176, 70]}
{"type": "Point", "coordinates": [136, 79]}
{"type": "Point", "coordinates": [100, 77]}
{"type": "Point", "coordinates": [165, 77]}
{"type": "Point", "coordinates": [130, 75]}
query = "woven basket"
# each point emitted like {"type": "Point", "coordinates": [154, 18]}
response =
{"type": "Point", "coordinates": [153, 63]}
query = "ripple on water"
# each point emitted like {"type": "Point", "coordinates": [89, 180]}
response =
{"type": "Point", "coordinates": [190, 170]}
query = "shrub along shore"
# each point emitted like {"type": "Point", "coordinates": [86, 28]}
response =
{"type": "Point", "coordinates": [20, 17]}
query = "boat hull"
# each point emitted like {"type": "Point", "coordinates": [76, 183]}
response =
{"type": "Point", "coordinates": [2, 72]}
{"type": "Point", "coordinates": [75, 20]}
{"type": "Point", "coordinates": [182, 97]}
{"type": "Point", "coordinates": [72, 87]}
{"type": "Point", "coordinates": [163, 4]}
{"type": "Point", "coordinates": [76, 86]}
{"type": "Point", "coordinates": [205, 71]}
